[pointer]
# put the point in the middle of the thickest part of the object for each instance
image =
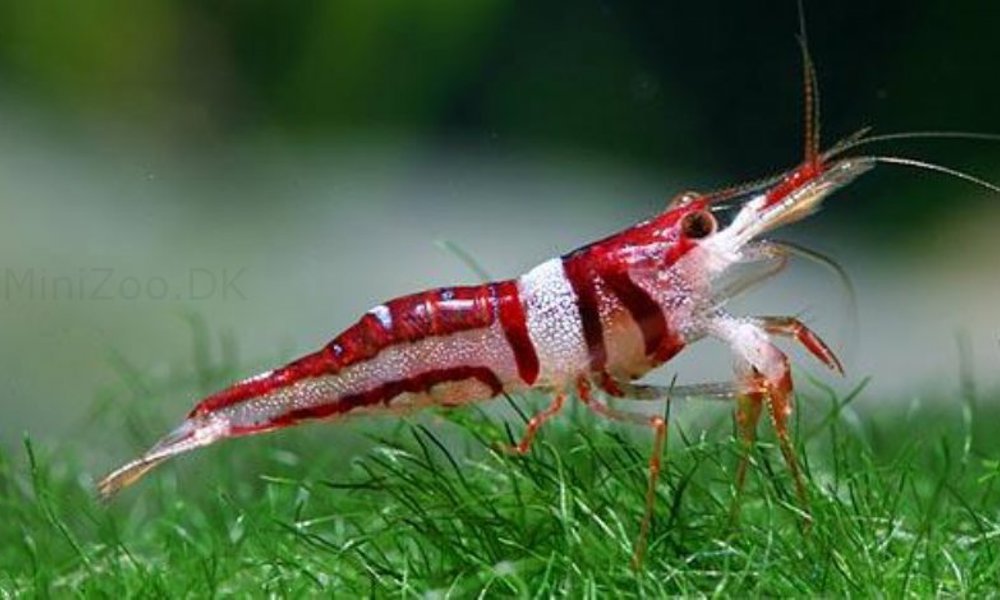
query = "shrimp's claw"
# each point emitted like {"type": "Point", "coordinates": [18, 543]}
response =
{"type": "Point", "coordinates": [192, 433]}
{"type": "Point", "coordinates": [795, 329]}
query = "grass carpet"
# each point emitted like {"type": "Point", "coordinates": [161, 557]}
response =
{"type": "Point", "coordinates": [904, 502]}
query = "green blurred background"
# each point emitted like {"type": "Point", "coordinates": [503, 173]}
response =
{"type": "Point", "coordinates": [311, 153]}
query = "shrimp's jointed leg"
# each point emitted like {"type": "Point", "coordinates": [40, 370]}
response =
{"type": "Point", "coordinates": [535, 423]}
{"type": "Point", "coordinates": [632, 391]}
{"type": "Point", "coordinates": [764, 374]}
{"type": "Point", "coordinates": [656, 422]}
{"type": "Point", "coordinates": [748, 409]}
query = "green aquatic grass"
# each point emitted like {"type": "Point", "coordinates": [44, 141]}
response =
{"type": "Point", "coordinates": [903, 503]}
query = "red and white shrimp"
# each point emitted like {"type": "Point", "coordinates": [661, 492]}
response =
{"type": "Point", "coordinates": [590, 324]}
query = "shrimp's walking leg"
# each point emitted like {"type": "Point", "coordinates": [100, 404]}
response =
{"type": "Point", "coordinates": [535, 423]}
{"type": "Point", "coordinates": [632, 391]}
{"type": "Point", "coordinates": [659, 426]}
{"type": "Point", "coordinates": [748, 409]}
{"type": "Point", "coordinates": [779, 402]}
{"type": "Point", "coordinates": [721, 390]}
{"type": "Point", "coordinates": [764, 371]}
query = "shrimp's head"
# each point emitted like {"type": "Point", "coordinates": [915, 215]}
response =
{"type": "Point", "coordinates": [758, 209]}
{"type": "Point", "coordinates": [689, 246]}
{"type": "Point", "coordinates": [686, 257]}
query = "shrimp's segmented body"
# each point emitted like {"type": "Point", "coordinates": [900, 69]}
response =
{"type": "Point", "coordinates": [596, 319]}
{"type": "Point", "coordinates": [590, 323]}
{"type": "Point", "coordinates": [558, 324]}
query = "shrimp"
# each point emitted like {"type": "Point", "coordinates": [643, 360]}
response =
{"type": "Point", "coordinates": [588, 324]}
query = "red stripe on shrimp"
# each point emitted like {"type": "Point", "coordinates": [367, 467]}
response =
{"type": "Point", "coordinates": [515, 330]}
{"type": "Point", "coordinates": [437, 312]}
{"type": "Point", "coordinates": [385, 393]}
{"type": "Point", "coordinates": [584, 281]}
{"type": "Point", "coordinates": [313, 365]}
{"type": "Point", "coordinates": [661, 343]}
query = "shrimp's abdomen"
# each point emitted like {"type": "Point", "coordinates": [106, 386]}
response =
{"type": "Point", "coordinates": [444, 346]}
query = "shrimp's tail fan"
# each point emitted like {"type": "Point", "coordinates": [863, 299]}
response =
{"type": "Point", "coordinates": [193, 433]}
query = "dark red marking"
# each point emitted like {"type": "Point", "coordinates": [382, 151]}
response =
{"type": "Point", "coordinates": [807, 171]}
{"type": "Point", "coordinates": [678, 249]}
{"type": "Point", "coordinates": [584, 281]}
{"type": "Point", "coordinates": [313, 365]}
{"type": "Point", "coordinates": [660, 342]}
{"type": "Point", "coordinates": [387, 391]}
{"type": "Point", "coordinates": [609, 385]}
{"type": "Point", "coordinates": [515, 329]}
{"type": "Point", "coordinates": [654, 244]}
{"type": "Point", "coordinates": [436, 312]}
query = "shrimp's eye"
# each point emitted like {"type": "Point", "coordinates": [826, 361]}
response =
{"type": "Point", "coordinates": [698, 224]}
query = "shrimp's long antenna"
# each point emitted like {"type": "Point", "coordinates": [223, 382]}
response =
{"type": "Point", "coordinates": [856, 140]}
{"type": "Point", "coordinates": [911, 162]}
{"type": "Point", "coordinates": [810, 86]}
